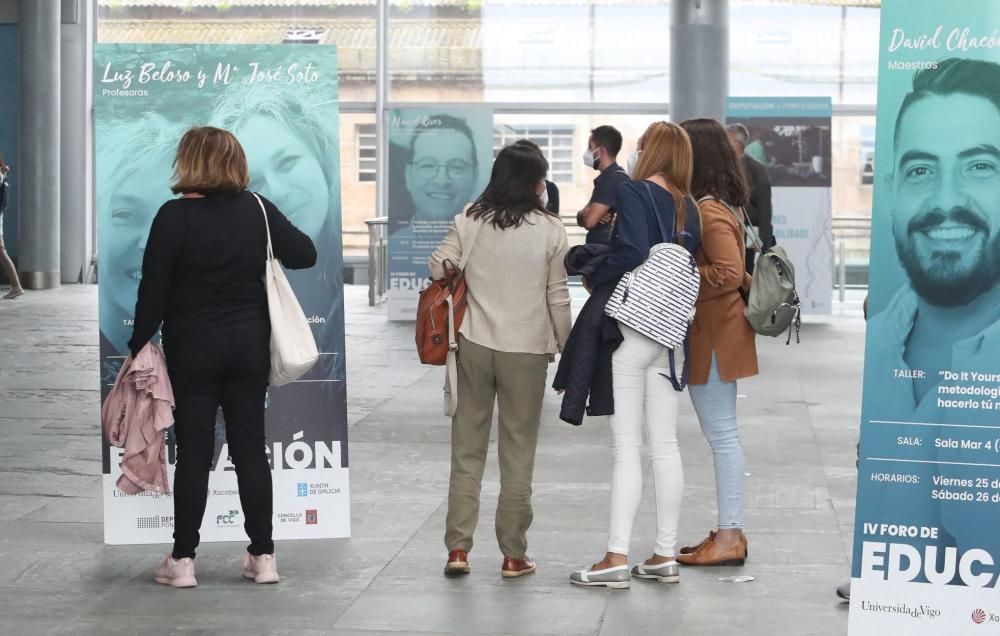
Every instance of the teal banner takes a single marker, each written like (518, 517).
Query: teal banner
(281, 102)
(927, 528)
(439, 161)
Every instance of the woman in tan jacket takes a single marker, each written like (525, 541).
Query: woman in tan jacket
(518, 317)
(722, 342)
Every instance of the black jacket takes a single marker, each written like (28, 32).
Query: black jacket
(552, 191)
(585, 366)
(759, 209)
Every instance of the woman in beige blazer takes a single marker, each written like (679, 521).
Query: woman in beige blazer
(518, 317)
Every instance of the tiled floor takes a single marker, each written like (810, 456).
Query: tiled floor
(798, 420)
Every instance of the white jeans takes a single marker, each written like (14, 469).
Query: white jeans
(639, 391)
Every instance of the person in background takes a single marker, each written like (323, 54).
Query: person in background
(551, 196)
(599, 215)
(640, 366)
(722, 342)
(759, 205)
(518, 318)
(8, 265)
(217, 345)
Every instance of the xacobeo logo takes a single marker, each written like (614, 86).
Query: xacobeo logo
(228, 519)
(978, 616)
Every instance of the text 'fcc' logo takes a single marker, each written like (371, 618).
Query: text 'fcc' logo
(227, 519)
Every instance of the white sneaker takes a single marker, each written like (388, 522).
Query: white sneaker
(176, 573)
(262, 569)
(617, 577)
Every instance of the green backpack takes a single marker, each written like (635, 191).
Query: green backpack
(772, 303)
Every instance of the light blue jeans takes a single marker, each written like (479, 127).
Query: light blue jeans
(715, 404)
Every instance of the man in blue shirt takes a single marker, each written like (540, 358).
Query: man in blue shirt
(602, 154)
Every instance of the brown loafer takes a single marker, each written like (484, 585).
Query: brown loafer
(711, 535)
(691, 549)
(458, 563)
(513, 568)
(712, 554)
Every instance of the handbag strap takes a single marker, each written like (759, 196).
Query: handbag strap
(267, 226)
(467, 253)
(452, 336)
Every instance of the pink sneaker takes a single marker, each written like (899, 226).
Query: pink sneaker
(176, 573)
(262, 569)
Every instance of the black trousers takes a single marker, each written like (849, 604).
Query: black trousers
(225, 368)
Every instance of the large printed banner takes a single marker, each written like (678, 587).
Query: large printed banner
(439, 161)
(281, 102)
(927, 531)
(790, 136)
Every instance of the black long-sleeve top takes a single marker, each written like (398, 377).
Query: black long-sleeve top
(759, 209)
(637, 229)
(204, 264)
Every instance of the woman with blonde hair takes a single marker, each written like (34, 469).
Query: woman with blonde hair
(202, 278)
(8, 265)
(640, 366)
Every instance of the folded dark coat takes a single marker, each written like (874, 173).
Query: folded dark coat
(585, 366)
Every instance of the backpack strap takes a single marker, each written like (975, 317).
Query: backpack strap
(686, 369)
(666, 236)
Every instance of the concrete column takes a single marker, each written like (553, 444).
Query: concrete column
(75, 127)
(38, 239)
(699, 59)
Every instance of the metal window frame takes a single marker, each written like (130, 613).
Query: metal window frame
(373, 161)
(550, 132)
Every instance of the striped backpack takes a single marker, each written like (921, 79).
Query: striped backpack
(657, 298)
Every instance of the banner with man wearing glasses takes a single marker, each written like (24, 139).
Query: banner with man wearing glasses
(439, 162)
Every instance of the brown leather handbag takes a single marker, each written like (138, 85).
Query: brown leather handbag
(440, 311)
(439, 316)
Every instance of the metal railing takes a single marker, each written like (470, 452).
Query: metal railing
(848, 229)
(845, 229)
(378, 260)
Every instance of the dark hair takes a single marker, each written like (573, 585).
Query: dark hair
(718, 172)
(527, 143)
(510, 196)
(607, 137)
(954, 75)
(444, 122)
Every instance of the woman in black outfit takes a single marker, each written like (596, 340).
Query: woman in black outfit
(202, 278)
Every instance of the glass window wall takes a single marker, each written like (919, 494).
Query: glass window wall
(552, 70)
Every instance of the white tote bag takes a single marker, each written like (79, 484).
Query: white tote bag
(293, 348)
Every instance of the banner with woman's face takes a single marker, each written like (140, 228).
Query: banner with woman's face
(282, 104)
(439, 162)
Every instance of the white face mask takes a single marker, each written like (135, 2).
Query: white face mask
(590, 158)
(544, 196)
(633, 161)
